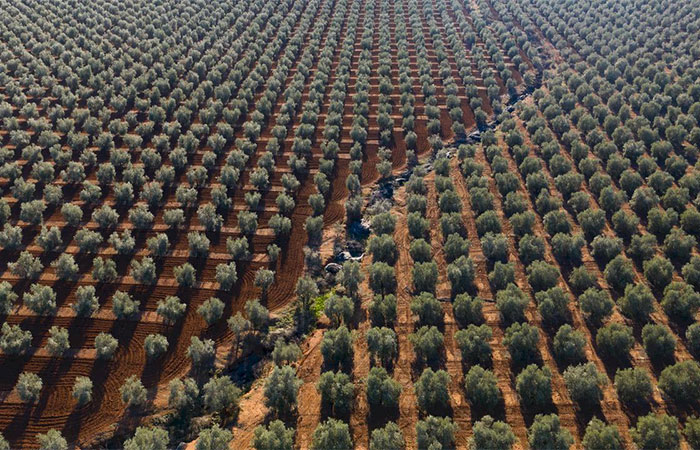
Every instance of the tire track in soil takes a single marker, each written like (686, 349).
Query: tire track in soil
(403, 369)
(500, 357)
(461, 411)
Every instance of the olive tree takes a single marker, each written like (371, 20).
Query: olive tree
(281, 389)
(435, 432)
(133, 393)
(584, 383)
(599, 436)
(105, 345)
(656, 431)
(29, 387)
(633, 385)
(211, 310)
(332, 434)
(432, 391)
(490, 433)
(388, 438)
(681, 381)
(481, 387)
(52, 440)
(546, 433)
(214, 438)
(82, 390)
(274, 436)
(337, 392)
(220, 394)
(155, 345)
(152, 438)
(534, 386)
(201, 352)
(336, 347)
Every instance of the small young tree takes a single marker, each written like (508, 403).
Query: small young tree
(82, 390)
(198, 244)
(185, 275)
(27, 266)
(29, 387)
(14, 340)
(264, 279)
(104, 271)
(7, 297)
(144, 271)
(258, 315)
(158, 245)
(238, 325)
(65, 267)
(226, 275)
(184, 395)
(86, 302)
